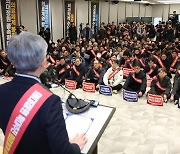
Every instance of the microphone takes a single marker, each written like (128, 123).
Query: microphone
(75, 105)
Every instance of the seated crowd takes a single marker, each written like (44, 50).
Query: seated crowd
(119, 57)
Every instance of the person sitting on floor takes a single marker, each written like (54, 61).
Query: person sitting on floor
(77, 72)
(175, 94)
(6, 68)
(114, 77)
(151, 69)
(62, 71)
(95, 74)
(136, 81)
(161, 84)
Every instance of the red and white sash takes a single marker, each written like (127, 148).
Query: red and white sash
(96, 73)
(94, 54)
(159, 61)
(62, 71)
(131, 65)
(174, 62)
(136, 79)
(52, 60)
(176, 49)
(113, 73)
(158, 84)
(151, 70)
(22, 115)
(142, 63)
(103, 52)
(75, 70)
(110, 62)
(4, 62)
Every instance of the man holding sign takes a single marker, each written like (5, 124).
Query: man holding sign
(95, 74)
(114, 77)
(136, 81)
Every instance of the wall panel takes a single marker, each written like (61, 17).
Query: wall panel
(28, 15)
(82, 13)
(148, 11)
(135, 10)
(175, 8)
(113, 14)
(165, 12)
(104, 11)
(129, 9)
(57, 11)
(157, 10)
(142, 10)
(121, 12)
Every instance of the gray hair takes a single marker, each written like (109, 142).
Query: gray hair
(26, 51)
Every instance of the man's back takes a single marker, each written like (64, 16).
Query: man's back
(46, 133)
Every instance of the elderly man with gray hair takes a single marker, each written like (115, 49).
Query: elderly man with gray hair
(31, 116)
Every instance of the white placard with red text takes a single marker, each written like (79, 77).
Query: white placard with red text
(70, 84)
(155, 99)
(88, 87)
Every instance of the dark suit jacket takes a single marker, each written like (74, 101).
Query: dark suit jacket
(46, 134)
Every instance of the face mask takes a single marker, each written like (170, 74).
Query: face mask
(179, 71)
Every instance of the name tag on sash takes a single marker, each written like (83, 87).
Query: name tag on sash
(126, 71)
(70, 84)
(130, 96)
(155, 99)
(105, 90)
(88, 87)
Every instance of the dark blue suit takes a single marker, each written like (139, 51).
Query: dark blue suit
(46, 134)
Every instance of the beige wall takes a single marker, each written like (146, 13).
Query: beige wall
(104, 11)
(28, 14)
(82, 13)
(57, 18)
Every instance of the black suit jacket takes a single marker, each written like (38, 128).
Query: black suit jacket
(46, 134)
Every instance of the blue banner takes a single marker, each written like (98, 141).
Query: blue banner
(44, 19)
(95, 16)
(105, 90)
(130, 96)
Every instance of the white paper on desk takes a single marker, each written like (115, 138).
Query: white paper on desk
(77, 124)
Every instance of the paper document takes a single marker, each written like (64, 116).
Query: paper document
(77, 124)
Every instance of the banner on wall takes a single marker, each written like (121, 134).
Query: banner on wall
(95, 15)
(10, 18)
(69, 14)
(44, 19)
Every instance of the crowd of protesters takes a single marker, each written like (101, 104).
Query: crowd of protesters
(148, 51)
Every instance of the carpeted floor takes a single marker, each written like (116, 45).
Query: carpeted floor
(135, 128)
